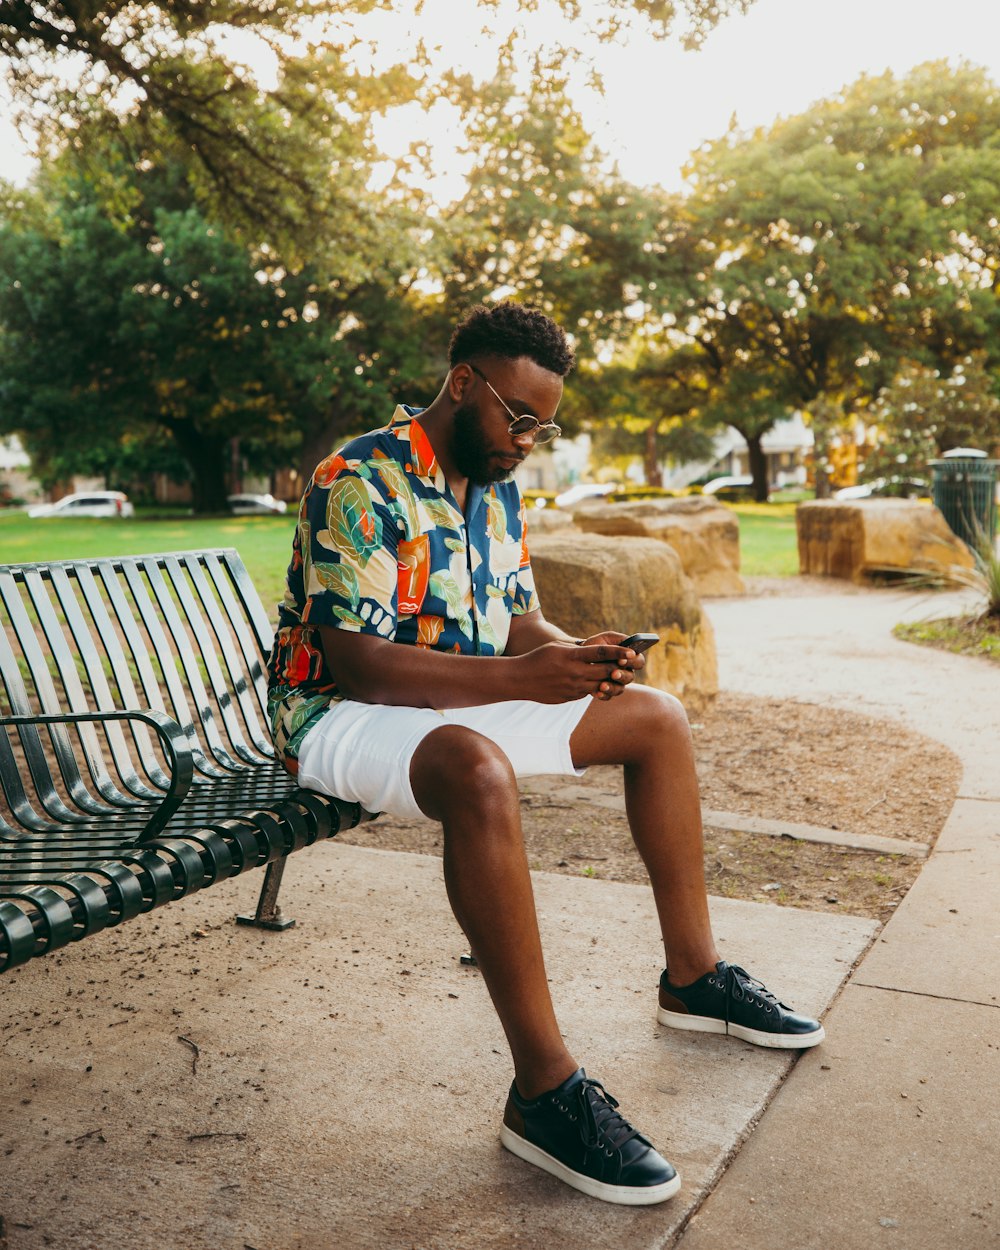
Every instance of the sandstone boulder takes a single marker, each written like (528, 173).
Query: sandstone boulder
(866, 538)
(704, 534)
(548, 521)
(588, 583)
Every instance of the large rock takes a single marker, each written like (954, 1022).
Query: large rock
(867, 538)
(704, 534)
(588, 583)
(548, 521)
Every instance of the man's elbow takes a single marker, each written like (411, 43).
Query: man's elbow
(355, 664)
(356, 689)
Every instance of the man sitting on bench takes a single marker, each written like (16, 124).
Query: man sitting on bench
(413, 672)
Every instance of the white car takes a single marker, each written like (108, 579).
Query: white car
(581, 491)
(97, 503)
(899, 487)
(728, 486)
(253, 505)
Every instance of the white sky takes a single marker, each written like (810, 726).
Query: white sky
(661, 102)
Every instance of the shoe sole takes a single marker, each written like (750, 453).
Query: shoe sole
(708, 1024)
(624, 1195)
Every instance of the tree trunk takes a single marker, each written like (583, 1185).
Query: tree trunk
(758, 467)
(650, 462)
(825, 414)
(208, 459)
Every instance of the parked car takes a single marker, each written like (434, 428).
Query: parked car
(889, 487)
(581, 491)
(99, 503)
(729, 487)
(253, 505)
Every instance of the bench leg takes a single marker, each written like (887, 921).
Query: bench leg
(268, 914)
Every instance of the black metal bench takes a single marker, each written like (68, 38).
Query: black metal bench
(135, 761)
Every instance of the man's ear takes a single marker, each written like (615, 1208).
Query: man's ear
(459, 381)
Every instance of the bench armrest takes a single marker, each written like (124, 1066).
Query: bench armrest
(175, 746)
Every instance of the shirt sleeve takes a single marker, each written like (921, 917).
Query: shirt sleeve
(349, 537)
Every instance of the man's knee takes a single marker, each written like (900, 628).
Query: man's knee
(639, 723)
(659, 717)
(455, 765)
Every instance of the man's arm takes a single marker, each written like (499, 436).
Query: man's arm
(374, 670)
(530, 630)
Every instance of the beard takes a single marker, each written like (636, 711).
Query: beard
(470, 450)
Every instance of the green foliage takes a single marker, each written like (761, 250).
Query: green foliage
(158, 80)
(926, 412)
(287, 164)
(962, 635)
(987, 558)
(155, 290)
(172, 330)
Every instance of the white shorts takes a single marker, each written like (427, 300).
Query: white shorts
(362, 752)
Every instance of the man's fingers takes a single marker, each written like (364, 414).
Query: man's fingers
(595, 653)
(603, 653)
(622, 676)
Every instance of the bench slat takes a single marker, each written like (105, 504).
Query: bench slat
(248, 679)
(140, 756)
(39, 772)
(73, 697)
(207, 628)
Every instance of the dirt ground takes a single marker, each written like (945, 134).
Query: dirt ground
(783, 761)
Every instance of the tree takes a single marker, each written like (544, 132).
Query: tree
(171, 328)
(815, 257)
(155, 80)
(649, 402)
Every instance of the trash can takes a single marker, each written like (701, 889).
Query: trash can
(963, 486)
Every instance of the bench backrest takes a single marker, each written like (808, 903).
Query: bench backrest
(183, 634)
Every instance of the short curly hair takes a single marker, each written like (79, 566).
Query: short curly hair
(511, 330)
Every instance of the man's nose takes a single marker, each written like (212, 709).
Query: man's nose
(527, 438)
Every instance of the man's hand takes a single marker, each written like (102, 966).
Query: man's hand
(559, 672)
(632, 661)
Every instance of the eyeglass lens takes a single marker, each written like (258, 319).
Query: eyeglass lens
(529, 425)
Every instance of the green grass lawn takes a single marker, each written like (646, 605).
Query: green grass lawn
(264, 542)
(768, 546)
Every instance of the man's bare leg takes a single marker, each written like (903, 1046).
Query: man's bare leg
(464, 781)
(647, 731)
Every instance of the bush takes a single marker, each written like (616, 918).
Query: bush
(984, 553)
(629, 493)
(539, 498)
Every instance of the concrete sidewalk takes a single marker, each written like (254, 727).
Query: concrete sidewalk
(181, 1084)
(886, 1135)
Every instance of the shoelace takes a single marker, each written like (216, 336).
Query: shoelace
(602, 1125)
(740, 984)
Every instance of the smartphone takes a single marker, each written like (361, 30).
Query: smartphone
(640, 642)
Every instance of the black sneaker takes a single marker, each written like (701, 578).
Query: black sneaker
(576, 1133)
(729, 1000)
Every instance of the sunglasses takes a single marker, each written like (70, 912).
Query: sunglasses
(540, 431)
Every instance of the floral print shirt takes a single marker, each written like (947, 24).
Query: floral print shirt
(382, 547)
